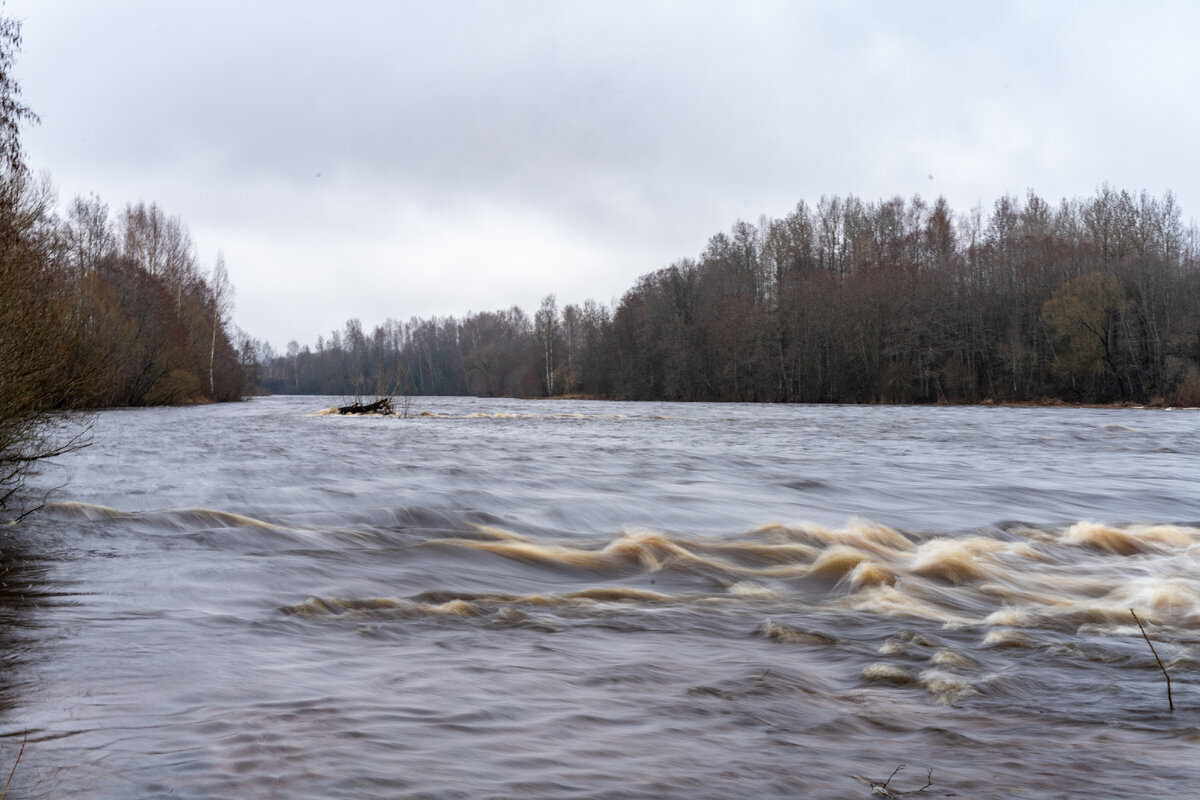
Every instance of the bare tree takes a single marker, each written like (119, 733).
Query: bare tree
(221, 299)
(88, 234)
(36, 346)
(546, 324)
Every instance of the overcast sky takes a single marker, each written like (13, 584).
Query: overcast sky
(398, 159)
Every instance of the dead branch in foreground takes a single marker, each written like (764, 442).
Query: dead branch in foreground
(20, 753)
(882, 790)
(1170, 701)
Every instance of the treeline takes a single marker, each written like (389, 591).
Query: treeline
(139, 321)
(900, 301)
(98, 309)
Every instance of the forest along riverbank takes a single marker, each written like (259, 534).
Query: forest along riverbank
(1029, 304)
(609, 600)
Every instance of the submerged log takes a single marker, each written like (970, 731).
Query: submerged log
(383, 406)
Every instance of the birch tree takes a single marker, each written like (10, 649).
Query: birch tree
(546, 326)
(221, 299)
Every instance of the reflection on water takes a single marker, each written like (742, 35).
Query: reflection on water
(550, 599)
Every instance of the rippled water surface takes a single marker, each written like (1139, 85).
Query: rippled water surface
(537, 599)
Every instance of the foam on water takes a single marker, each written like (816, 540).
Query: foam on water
(977, 580)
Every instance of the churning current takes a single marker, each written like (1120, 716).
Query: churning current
(553, 599)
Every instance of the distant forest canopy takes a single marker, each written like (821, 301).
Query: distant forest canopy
(897, 301)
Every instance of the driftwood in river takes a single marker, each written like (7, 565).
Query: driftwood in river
(383, 406)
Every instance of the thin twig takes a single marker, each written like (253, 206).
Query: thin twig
(1170, 702)
(928, 781)
(885, 783)
(20, 753)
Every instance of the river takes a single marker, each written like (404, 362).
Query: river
(571, 599)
